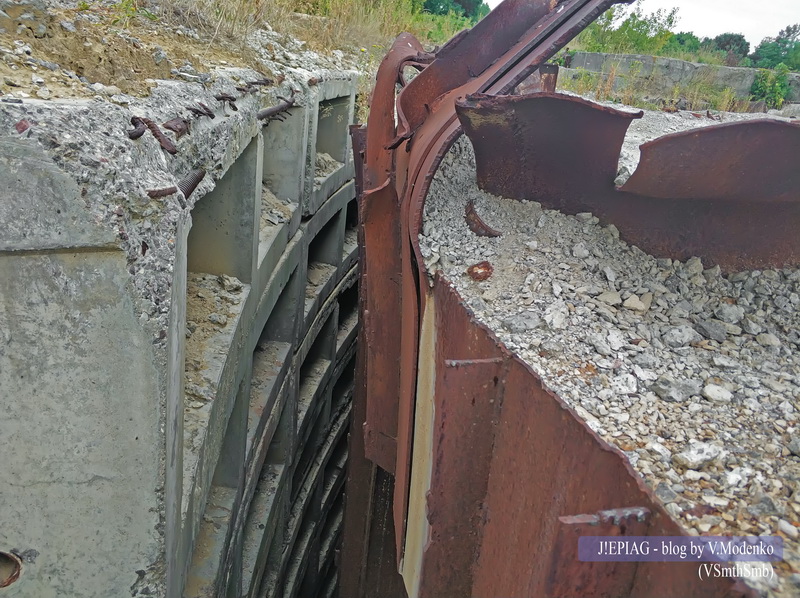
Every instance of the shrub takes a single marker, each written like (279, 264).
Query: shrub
(771, 86)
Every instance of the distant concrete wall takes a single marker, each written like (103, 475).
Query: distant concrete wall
(197, 449)
(660, 75)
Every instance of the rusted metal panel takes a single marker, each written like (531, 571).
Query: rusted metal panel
(544, 79)
(468, 391)
(510, 463)
(544, 145)
(594, 579)
(544, 464)
(728, 193)
(757, 160)
(468, 55)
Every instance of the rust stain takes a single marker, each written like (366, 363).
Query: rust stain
(480, 271)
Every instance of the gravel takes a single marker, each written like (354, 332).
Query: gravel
(695, 375)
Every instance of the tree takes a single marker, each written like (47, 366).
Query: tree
(614, 31)
(443, 7)
(734, 43)
(473, 9)
(784, 48)
(683, 42)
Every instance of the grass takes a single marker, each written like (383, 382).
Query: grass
(362, 28)
(634, 90)
(324, 24)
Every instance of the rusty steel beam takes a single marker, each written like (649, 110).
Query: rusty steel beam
(728, 193)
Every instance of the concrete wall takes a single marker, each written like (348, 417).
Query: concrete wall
(660, 75)
(82, 450)
(176, 381)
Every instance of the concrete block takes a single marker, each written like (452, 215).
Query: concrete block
(40, 205)
(225, 223)
(280, 305)
(273, 571)
(82, 447)
(176, 376)
(273, 239)
(346, 294)
(350, 245)
(217, 358)
(306, 506)
(206, 570)
(343, 376)
(329, 161)
(284, 438)
(271, 385)
(286, 146)
(229, 471)
(265, 520)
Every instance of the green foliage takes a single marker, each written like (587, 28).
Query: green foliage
(444, 7)
(772, 86)
(126, 11)
(616, 31)
(683, 42)
(734, 43)
(473, 9)
(784, 48)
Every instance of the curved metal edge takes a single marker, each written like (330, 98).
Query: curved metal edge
(754, 160)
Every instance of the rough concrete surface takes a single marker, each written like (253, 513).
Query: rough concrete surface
(88, 262)
(80, 428)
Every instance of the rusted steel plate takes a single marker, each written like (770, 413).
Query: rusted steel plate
(568, 574)
(699, 193)
(757, 160)
(380, 254)
(510, 461)
(548, 145)
(416, 161)
(470, 375)
(468, 55)
(544, 79)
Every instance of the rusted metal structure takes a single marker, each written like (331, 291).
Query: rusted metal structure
(471, 478)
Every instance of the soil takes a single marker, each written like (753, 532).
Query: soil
(84, 47)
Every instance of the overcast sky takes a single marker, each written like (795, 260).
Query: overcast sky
(707, 18)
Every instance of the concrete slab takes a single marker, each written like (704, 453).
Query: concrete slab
(225, 222)
(83, 458)
(262, 525)
(215, 366)
(206, 569)
(40, 205)
(280, 305)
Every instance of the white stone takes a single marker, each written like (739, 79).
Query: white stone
(788, 529)
(717, 394)
(697, 455)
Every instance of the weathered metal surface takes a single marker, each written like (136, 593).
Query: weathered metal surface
(756, 160)
(379, 207)
(508, 458)
(593, 579)
(468, 55)
(567, 150)
(727, 193)
(476, 224)
(503, 530)
(544, 79)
